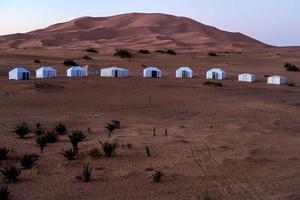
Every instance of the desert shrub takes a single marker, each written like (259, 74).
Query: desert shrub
(154, 132)
(41, 142)
(110, 128)
(144, 51)
(160, 51)
(11, 173)
(143, 66)
(4, 193)
(206, 196)
(61, 129)
(91, 50)
(51, 137)
(36, 61)
(94, 152)
(116, 123)
(76, 137)
(212, 54)
(87, 172)
(171, 52)
(166, 132)
(148, 151)
(129, 146)
(39, 129)
(22, 130)
(87, 58)
(212, 83)
(291, 67)
(28, 160)
(3, 153)
(109, 148)
(123, 53)
(70, 62)
(291, 84)
(157, 176)
(70, 153)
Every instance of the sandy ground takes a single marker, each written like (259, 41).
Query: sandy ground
(240, 141)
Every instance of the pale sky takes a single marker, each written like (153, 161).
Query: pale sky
(275, 22)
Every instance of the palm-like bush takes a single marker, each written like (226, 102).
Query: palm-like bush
(61, 129)
(157, 176)
(76, 138)
(87, 172)
(51, 137)
(171, 52)
(109, 148)
(123, 53)
(28, 160)
(70, 154)
(110, 128)
(22, 130)
(11, 173)
(3, 153)
(4, 193)
(41, 142)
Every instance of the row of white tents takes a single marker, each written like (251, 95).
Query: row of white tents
(20, 73)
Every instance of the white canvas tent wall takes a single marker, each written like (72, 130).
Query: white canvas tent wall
(246, 77)
(77, 71)
(184, 72)
(277, 80)
(152, 72)
(19, 73)
(46, 72)
(114, 72)
(216, 73)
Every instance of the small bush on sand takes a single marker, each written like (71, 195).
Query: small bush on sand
(51, 137)
(212, 83)
(148, 151)
(76, 137)
(123, 53)
(109, 149)
(41, 142)
(144, 51)
(160, 51)
(212, 54)
(291, 84)
(28, 160)
(60, 128)
(91, 50)
(206, 196)
(87, 58)
(290, 67)
(87, 172)
(36, 61)
(22, 130)
(157, 176)
(110, 128)
(11, 173)
(70, 154)
(3, 153)
(171, 52)
(70, 62)
(4, 193)
(39, 129)
(94, 152)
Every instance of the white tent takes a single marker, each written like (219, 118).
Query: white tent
(46, 72)
(77, 71)
(114, 72)
(277, 80)
(216, 73)
(19, 73)
(184, 72)
(246, 77)
(152, 72)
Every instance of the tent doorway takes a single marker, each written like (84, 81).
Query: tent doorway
(184, 74)
(154, 74)
(25, 76)
(244, 77)
(215, 75)
(116, 72)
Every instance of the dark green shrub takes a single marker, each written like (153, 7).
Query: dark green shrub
(148, 151)
(70, 154)
(22, 130)
(160, 51)
(91, 50)
(39, 129)
(76, 137)
(51, 137)
(11, 173)
(109, 148)
(291, 84)
(70, 62)
(61, 129)
(212, 83)
(41, 142)
(110, 128)
(290, 67)
(116, 123)
(87, 172)
(212, 54)
(28, 160)
(87, 58)
(3, 153)
(36, 61)
(157, 176)
(94, 152)
(4, 193)
(171, 52)
(144, 51)
(123, 53)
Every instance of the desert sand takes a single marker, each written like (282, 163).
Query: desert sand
(239, 141)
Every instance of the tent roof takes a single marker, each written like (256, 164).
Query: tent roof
(247, 74)
(48, 68)
(185, 68)
(152, 68)
(277, 76)
(77, 68)
(216, 69)
(114, 68)
(19, 69)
